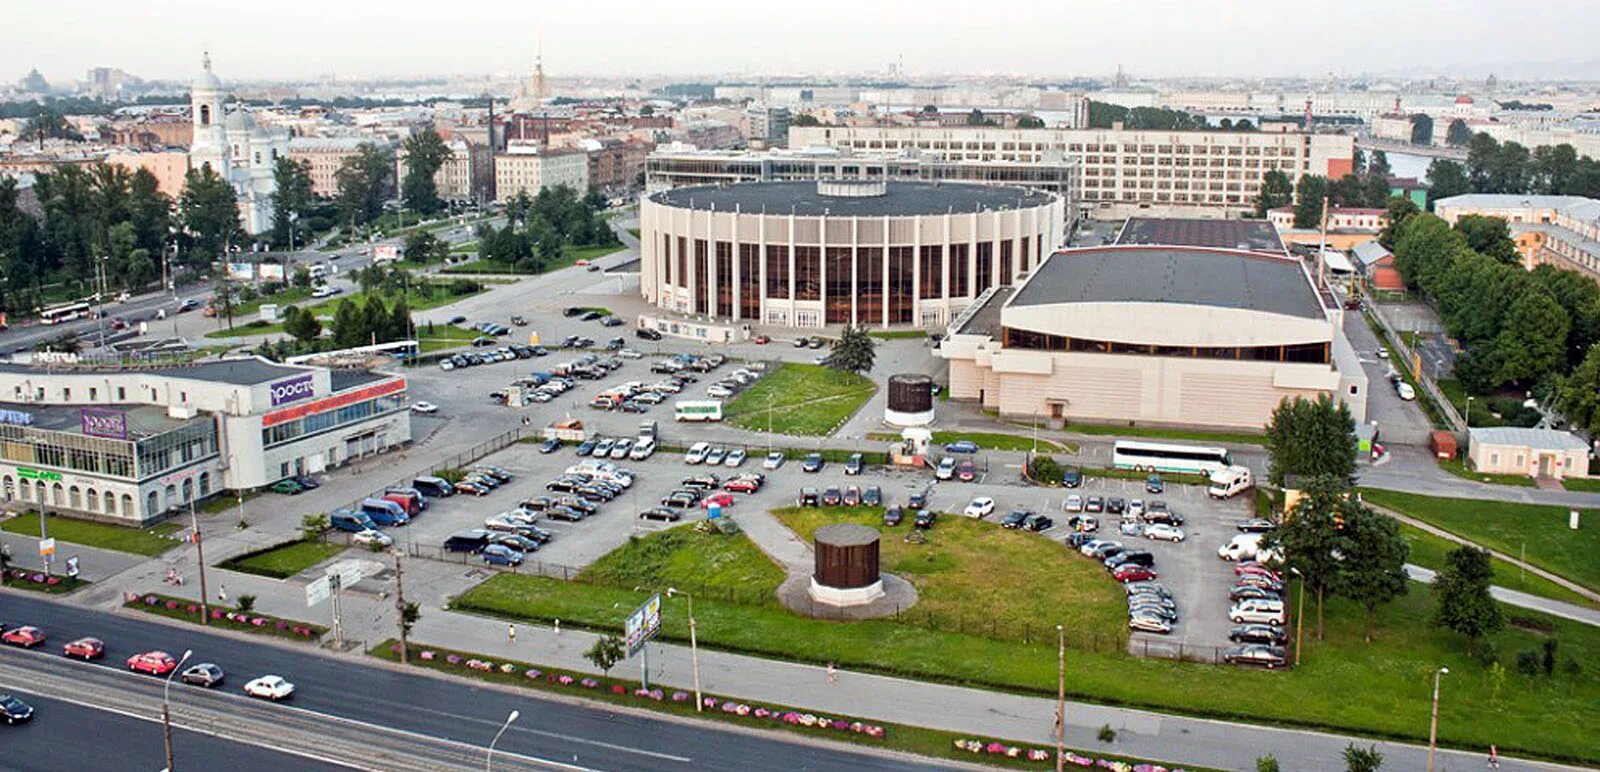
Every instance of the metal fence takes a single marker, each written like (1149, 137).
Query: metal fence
(456, 461)
(1392, 336)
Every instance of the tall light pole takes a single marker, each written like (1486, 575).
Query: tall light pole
(1299, 615)
(694, 648)
(1469, 411)
(1433, 726)
(166, 713)
(1061, 698)
(488, 761)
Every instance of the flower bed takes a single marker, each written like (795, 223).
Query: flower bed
(680, 702)
(38, 581)
(223, 616)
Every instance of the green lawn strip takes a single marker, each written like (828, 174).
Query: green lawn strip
(245, 330)
(1153, 432)
(805, 399)
(282, 561)
(899, 737)
(687, 557)
(569, 258)
(1457, 394)
(289, 296)
(464, 248)
(634, 231)
(1458, 467)
(436, 337)
(149, 541)
(420, 298)
(998, 441)
(897, 334)
(1509, 527)
(485, 266)
(223, 503)
(1429, 551)
(1380, 688)
(179, 609)
(1582, 484)
(21, 579)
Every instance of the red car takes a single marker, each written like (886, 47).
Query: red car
(1257, 569)
(966, 471)
(741, 485)
(86, 648)
(1127, 574)
(157, 663)
(26, 636)
(762, 340)
(720, 499)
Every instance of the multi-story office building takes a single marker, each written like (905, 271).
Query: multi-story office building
(531, 168)
(1123, 172)
(133, 444)
(323, 156)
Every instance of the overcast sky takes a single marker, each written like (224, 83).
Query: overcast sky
(310, 38)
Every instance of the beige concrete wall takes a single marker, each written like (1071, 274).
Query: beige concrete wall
(1518, 459)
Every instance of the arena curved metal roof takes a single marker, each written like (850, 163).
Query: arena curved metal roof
(901, 199)
(1223, 278)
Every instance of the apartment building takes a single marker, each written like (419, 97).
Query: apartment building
(1563, 231)
(530, 168)
(323, 156)
(464, 176)
(1122, 171)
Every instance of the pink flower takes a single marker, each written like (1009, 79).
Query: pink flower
(533, 673)
(619, 689)
(172, 605)
(193, 609)
(216, 613)
(428, 655)
(680, 696)
(565, 680)
(589, 683)
(711, 702)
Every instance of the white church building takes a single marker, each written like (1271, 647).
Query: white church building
(236, 148)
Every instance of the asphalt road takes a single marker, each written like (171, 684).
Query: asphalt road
(349, 696)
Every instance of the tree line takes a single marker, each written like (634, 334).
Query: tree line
(1508, 167)
(1367, 188)
(539, 229)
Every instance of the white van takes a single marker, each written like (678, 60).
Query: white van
(1245, 546)
(1258, 611)
(697, 453)
(642, 449)
(1230, 482)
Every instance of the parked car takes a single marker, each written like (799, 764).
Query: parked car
(979, 507)
(773, 461)
(1163, 532)
(1014, 518)
(946, 468)
(1094, 504)
(1149, 623)
(966, 471)
(1038, 522)
(735, 458)
(832, 497)
(287, 486)
(1083, 523)
(269, 687)
(1264, 634)
(1116, 506)
(156, 663)
(808, 497)
(204, 674)
(925, 519)
(1133, 574)
(1153, 484)
(891, 517)
(872, 496)
(813, 463)
(1257, 611)
(852, 496)
(720, 499)
(501, 555)
(1255, 525)
(424, 408)
(1255, 654)
(1072, 477)
(1251, 592)
(1073, 503)
(853, 465)
(661, 513)
(371, 539)
(550, 445)
(961, 446)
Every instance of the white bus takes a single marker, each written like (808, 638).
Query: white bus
(1160, 457)
(65, 312)
(697, 410)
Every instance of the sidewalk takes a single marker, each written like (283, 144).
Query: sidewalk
(1529, 567)
(1508, 596)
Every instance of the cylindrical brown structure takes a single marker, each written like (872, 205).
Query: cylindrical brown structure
(847, 556)
(910, 400)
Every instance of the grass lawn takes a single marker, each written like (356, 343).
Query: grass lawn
(1587, 485)
(1509, 527)
(569, 258)
(148, 541)
(1457, 394)
(998, 441)
(1429, 551)
(288, 296)
(443, 336)
(483, 266)
(805, 399)
(1151, 432)
(687, 558)
(421, 297)
(290, 628)
(897, 334)
(284, 560)
(244, 330)
(465, 247)
(1458, 467)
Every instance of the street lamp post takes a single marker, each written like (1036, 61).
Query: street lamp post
(1299, 615)
(1469, 412)
(694, 648)
(1433, 726)
(1061, 698)
(488, 761)
(166, 713)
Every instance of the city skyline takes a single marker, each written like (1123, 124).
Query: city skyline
(1149, 39)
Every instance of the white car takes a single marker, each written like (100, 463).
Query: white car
(369, 538)
(946, 469)
(666, 387)
(980, 507)
(424, 407)
(1074, 503)
(716, 455)
(1163, 531)
(774, 460)
(505, 521)
(620, 450)
(718, 391)
(324, 291)
(1405, 391)
(629, 353)
(447, 365)
(269, 687)
(697, 453)
(1135, 509)
(735, 457)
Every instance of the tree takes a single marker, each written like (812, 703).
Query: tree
(209, 213)
(425, 153)
(313, 526)
(410, 614)
(804, 119)
(363, 182)
(1489, 236)
(291, 199)
(302, 325)
(1309, 538)
(606, 652)
(1398, 210)
(1277, 190)
(1267, 763)
(1532, 341)
(1379, 165)
(1481, 152)
(421, 246)
(1458, 135)
(1579, 395)
(646, 111)
(1368, 759)
(150, 212)
(1030, 122)
(1421, 129)
(1447, 178)
(48, 123)
(1308, 195)
(854, 352)
(1462, 602)
(1374, 570)
(1311, 438)
(224, 296)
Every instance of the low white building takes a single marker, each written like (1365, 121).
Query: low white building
(530, 169)
(1532, 452)
(130, 445)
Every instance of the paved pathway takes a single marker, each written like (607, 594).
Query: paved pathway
(1529, 567)
(1570, 611)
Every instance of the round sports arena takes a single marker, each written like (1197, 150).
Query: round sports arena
(825, 252)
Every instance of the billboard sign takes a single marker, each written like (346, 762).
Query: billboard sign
(16, 417)
(100, 422)
(384, 253)
(241, 271)
(292, 389)
(319, 590)
(270, 271)
(334, 402)
(643, 624)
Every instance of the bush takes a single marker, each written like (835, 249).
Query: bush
(1267, 763)
(1487, 653)
(1106, 734)
(1549, 661)
(1045, 470)
(1528, 663)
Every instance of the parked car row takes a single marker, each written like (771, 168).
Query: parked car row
(705, 491)
(639, 397)
(501, 354)
(1124, 563)
(847, 496)
(1151, 608)
(617, 448)
(715, 455)
(949, 468)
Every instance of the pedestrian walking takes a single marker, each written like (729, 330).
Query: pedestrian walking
(833, 675)
(558, 627)
(222, 593)
(511, 633)
(1494, 757)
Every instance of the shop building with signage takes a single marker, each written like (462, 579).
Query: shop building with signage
(132, 444)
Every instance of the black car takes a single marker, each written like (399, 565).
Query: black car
(853, 465)
(831, 497)
(571, 311)
(1130, 558)
(661, 513)
(872, 496)
(458, 320)
(586, 447)
(1255, 525)
(813, 463)
(307, 481)
(1014, 518)
(551, 445)
(611, 321)
(563, 513)
(1116, 506)
(204, 674)
(1152, 484)
(576, 503)
(816, 342)
(647, 334)
(1267, 634)
(615, 344)
(589, 316)
(14, 709)
(516, 541)
(919, 500)
(1158, 513)
(1071, 477)
(703, 482)
(1038, 523)
(1078, 539)
(680, 499)
(808, 497)
(925, 519)
(1255, 654)
(1252, 592)
(891, 517)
